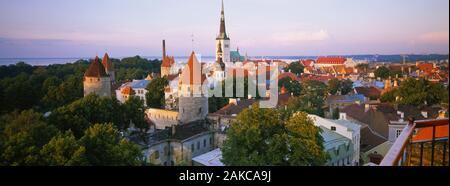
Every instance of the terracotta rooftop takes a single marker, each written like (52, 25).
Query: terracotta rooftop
(168, 61)
(187, 77)
(307, 62)
(107, 63)
(95, 69)
(128, 91)
(331, 60)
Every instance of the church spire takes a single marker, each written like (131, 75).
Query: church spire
(223, 32)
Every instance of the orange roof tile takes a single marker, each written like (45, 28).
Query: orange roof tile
(128, 91)
(331, 60)
(95, 69)
(189, 70)
(107, 63)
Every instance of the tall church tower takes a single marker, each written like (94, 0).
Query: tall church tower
(222, 40)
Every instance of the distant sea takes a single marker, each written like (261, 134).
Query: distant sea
(183, 59)
(179, 59)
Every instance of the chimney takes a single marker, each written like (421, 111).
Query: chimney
(164, 48)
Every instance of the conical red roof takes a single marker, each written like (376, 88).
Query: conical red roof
(107, 63)
(95, 69)
(187, 76)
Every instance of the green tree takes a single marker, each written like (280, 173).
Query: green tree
(155, 96)
(334, 86)
(134, 110)
(105, 147)
(81, 114)
(306, 141)
(311, 99)
(420, 92)
(21, 137)
(259, 137)
(382, 72)
(295, 67)
(292, 86)
(63, 150)
(64, 93)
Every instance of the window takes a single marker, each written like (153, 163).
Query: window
(398, 132)
(198, 145)
(192, 148)
(204, 143)
(210, 141)
(333, 128)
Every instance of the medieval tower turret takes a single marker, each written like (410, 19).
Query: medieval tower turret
(222, 40)
(96, 80)
(109, 68)
(193, 103)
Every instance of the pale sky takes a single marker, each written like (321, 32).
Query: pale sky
(82, 28)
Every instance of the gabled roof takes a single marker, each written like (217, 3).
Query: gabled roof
(95, 69)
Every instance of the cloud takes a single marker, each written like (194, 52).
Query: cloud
(434, 37)
(290, 37)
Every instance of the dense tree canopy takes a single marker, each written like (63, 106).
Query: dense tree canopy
(67, 135)
(418, 92)
(292, 86)
(311, 99)
(21, 137)
(295, 67)
(26, 139)
(383, 72)
(259, 137)
(155, 96)
(340, 86)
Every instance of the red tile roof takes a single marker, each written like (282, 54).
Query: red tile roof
(426, 67)
(168, 61)
(290, 75)
(95, 69)
(107, 63)
(128, 91)
(189, 70)
(331, 60)
(307, 62)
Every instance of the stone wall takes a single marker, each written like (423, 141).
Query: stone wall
(162, 118)
(100, 86)
(193, 108)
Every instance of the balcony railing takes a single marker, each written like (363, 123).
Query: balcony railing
(428, 151)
